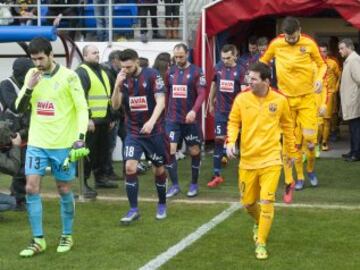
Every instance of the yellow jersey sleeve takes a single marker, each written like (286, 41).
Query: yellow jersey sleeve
(288, 125)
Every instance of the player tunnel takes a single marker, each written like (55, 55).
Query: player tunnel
(232, 21)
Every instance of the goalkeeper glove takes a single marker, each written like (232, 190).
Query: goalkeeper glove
(78, 151)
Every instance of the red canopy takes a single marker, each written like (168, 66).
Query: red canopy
(228, 13)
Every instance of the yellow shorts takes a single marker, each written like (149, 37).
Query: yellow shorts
(305, 113)
(330, 105)
(259, 184)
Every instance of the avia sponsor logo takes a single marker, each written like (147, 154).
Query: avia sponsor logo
(179, 91)
(45, 108)
(227, 86)
(138, 104)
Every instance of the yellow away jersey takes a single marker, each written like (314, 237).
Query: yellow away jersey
(261, 121)
(332, 75)
(293, 63)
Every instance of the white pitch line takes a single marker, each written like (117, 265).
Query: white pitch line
(190, 239)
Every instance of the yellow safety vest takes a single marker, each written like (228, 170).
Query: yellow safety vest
(99, 94)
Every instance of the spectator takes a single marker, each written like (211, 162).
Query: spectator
(27, 13)
(10, 160)
(350, 96)
(151, 6)
(102, 19)
(112, 67)
(172, 20)
(6, 17)
(97, 87)
(62, 11)
(9, 89)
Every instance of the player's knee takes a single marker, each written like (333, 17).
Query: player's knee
(265, 202)
(159, 170)
(32, 188)
(194, 150)
(62, 188)
(130, 167)
(248, 206)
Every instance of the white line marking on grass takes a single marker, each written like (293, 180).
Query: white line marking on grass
(190, 239)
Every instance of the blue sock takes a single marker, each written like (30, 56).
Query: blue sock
(67, 212)
(132, 188)
(218, 153)
(34, 209)
(172, 170)
(160, 182)
(195, 168)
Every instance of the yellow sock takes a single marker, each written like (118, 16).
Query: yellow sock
(288, 173)
(299, 166)
(254, 212)
(326, 131)
(265, 222)
(310, 160)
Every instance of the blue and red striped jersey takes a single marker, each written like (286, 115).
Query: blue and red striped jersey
(228, 84)
(185, 91)
(139, 101)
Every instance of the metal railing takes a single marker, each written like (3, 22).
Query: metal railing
(119, 17)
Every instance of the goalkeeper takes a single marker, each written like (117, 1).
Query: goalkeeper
(59, 118)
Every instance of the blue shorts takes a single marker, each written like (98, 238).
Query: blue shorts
(220, 128)
(191, 133)
(37, 159)
(155, 148)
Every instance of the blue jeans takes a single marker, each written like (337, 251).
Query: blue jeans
(7, 202)
(102, 35)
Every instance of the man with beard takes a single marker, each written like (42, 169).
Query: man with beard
(58, 124)
(141, 91)
(295, 55)
(97, 87)
(226, 84)
(19, 123)
(186, 85)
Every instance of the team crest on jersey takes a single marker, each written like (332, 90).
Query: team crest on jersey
(302, 49)
(179, 91)
(272, 107)
(202, 80)
(138, 104)
(144, 84)
(45, 108)
(227, 86)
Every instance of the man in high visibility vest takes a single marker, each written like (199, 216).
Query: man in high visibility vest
(97, 87)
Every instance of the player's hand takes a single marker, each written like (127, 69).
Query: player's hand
(190, 117)
(35, 77)
(120, 79)
(318, 87)
(78, 151)
(16, 140)
(231, 151)
(322, 110)
(147, 128)
(91, 126)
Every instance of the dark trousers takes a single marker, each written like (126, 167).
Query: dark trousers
(98, 143)
(18, 182)
(354, 126)
(143, 11)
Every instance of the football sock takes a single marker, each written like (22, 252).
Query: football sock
(195, 168)
(132, 187)
(254, 212)
(172, 170)
(218, 153)
(67, 212)
(160, 182)
(34, 209)
(265, 221)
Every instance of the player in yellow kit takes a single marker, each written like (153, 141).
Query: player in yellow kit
(295, 53)
(261, 113)
(332, 84)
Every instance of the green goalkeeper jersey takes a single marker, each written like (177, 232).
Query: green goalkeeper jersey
(59, 112)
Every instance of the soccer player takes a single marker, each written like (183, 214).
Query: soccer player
(332, 82)
(295, 54)
(185, 84)
(59, 117)
(261, 113)
(251, 57)
(141, 91)
(226, 84)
